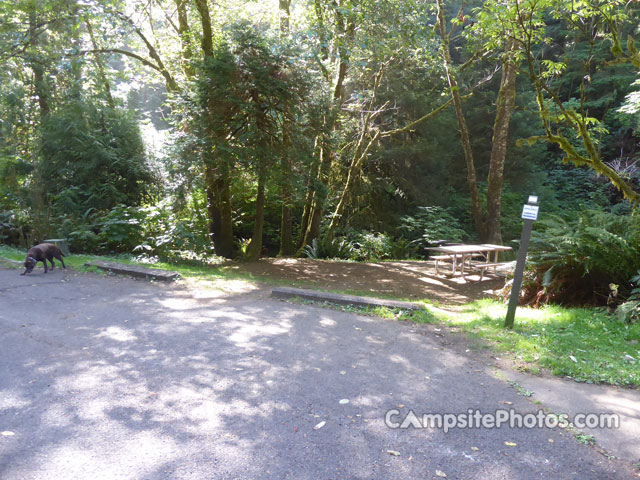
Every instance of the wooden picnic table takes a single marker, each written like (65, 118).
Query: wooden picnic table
(466, 252)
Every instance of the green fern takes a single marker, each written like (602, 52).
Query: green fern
(574, 261)
(629, 311)
(324, 248)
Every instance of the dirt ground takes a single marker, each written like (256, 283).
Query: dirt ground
(403, 279)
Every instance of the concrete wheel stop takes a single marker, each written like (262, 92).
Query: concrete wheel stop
(135, 271)
(341, 299)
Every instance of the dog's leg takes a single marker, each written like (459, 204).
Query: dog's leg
(45, 265)
(61, 261)
(53, 265)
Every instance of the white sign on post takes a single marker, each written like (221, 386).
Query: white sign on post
(530, 212)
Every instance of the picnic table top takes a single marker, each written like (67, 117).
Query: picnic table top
(464, 249)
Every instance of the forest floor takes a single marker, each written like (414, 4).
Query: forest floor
(407, 279)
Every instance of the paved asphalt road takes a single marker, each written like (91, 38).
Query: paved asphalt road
(111, 378)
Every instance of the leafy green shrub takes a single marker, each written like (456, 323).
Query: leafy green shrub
(156, 230)
(575, 261)
(372, 246)
(93, 157)
(324, 248)
(121, 229)
(83, 239)
(13, 226)
(431, 224)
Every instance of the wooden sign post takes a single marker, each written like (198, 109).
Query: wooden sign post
(529, 214)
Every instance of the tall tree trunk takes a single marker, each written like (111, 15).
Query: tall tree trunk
(359, 155)
(355, 168)
(217, 174)
(314, 172)
(462, 124)
(287, 247)
(255, 245)
(344, 32)
(76, 60)
(286, 225)
(318, 197)
(183, 31)
(207, 31)
(284, 9)
(219, 210)
(504, 108)
(40, 83)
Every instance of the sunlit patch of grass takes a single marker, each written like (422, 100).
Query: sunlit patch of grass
(12, 253)
(587, 345)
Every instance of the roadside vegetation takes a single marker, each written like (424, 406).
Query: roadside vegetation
(586, 345)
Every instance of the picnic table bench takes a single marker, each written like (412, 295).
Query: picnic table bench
(461, 257)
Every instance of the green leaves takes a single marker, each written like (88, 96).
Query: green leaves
(552, 68)
(575, 261)
(431, 224)
(97, 154)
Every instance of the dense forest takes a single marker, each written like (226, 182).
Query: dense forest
(360, 129)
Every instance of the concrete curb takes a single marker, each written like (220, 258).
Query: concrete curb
(135, 271)
(12, 262)
(284, 293)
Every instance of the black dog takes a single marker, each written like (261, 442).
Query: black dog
(42, 253)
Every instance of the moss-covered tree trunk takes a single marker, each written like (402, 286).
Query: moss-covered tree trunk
(317, 199)
(364, 145)
(504, 108)
(185, 41)
(314, 171)
(287, 247)
(476, 208)
(344, 33)
(40, 84)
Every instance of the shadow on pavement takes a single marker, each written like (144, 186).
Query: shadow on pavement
(106, 377)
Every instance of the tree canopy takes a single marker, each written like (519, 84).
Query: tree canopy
(259, 127)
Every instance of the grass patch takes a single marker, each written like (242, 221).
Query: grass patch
(520, 389)
(587, 345)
